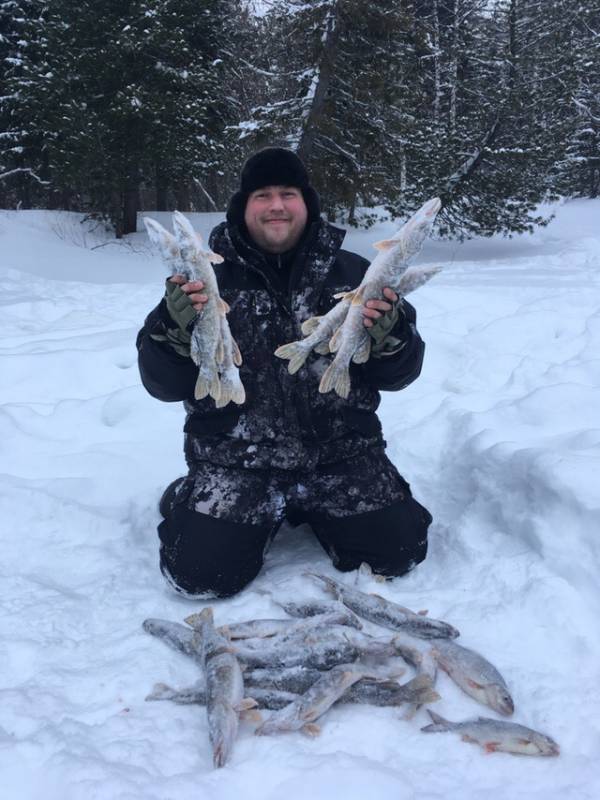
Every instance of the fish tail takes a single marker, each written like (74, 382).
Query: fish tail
(336, 377)
(421, 690)
(296, 352)
(309, 325)
(439, 723)
(207, 383)
(329, 583)
(322, 348)
(231, 389)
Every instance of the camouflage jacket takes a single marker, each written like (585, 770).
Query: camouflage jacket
(285, 422)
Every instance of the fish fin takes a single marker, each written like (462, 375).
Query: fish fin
(309, 325)
(334, 342)
(439, 720)
(195, 620)
(337, 378)
(201, 388)
(159, 690)
(385, 244)
(295, 352)
(322, 348)
(344, 295)
(423, 612)
(491, 747)
(358, 295)
(223, 306)
(246, 704)
(237, 356)
(311, 729)
(239, 394)
(363, 351)
(473, 684)
(215, 386)
(223, 399)
(215, 258)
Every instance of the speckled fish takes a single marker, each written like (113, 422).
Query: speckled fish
(177, 636)
(321, 332)
(475, 675)
(272, 699)
(212, 347)
(417, 691)
(351, 341)
(224, 686)
(266, 628)
(231, 387)
(311, 651)
(497, 735)
(302, 713)
(312, 608)
(384, 612)
(422, 660)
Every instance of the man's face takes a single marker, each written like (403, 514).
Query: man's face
(275, 217)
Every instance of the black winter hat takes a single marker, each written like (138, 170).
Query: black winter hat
(273, 166)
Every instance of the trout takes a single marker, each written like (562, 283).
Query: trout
(497, 735)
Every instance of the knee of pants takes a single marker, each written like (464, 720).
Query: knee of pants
(391, 540)
(205, 556)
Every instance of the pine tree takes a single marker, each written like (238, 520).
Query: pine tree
(24, 70)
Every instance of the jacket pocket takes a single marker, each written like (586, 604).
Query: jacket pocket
(364, 422)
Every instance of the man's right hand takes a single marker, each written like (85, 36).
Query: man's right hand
(193, 290)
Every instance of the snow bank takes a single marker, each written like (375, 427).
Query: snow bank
(499, 438)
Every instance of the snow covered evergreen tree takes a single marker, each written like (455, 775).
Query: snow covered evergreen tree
(24, 76)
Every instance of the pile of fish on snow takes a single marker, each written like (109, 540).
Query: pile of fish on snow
(296, 669)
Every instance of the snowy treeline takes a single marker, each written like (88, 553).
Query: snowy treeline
(113, 107)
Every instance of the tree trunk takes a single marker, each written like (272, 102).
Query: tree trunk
(182, 196)
(131, 204)
(317, 93)
(162, 190)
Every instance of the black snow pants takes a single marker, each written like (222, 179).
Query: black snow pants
(219, 521)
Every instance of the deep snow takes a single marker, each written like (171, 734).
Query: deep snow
(498, 437)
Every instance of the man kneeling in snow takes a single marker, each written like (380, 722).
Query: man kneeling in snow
(288, 452)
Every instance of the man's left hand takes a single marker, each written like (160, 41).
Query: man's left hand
(374, 309)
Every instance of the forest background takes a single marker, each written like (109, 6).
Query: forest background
(111, 107)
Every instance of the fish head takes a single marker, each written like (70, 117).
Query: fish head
(498, 697)
(544, 745)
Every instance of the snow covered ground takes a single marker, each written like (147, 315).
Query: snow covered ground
(499, 438)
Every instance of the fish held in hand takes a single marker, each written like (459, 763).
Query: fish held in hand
(351, 342)
(212, 348)
(496, 735)
(342, 330)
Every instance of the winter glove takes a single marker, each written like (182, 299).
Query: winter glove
(384, 343)
(183, 314)
(180, 307)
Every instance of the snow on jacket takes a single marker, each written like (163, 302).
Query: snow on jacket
(285, 422)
